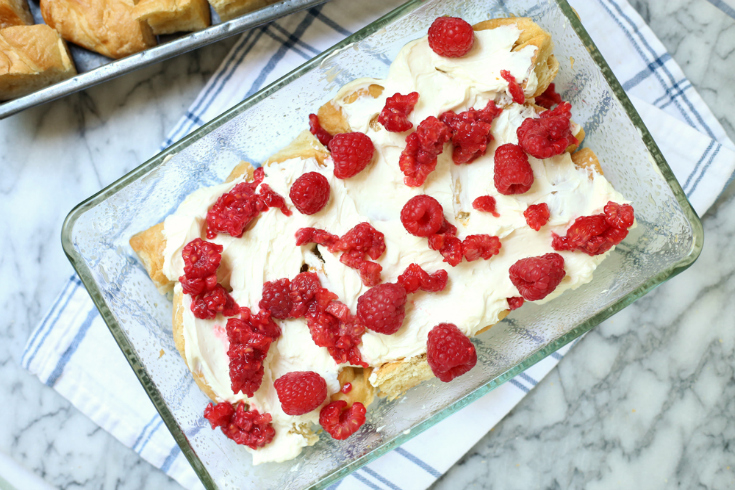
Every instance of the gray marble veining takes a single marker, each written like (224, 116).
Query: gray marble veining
(646, 400)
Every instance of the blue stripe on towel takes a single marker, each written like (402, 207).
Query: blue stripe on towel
(724, 7)
(145, 428)
(380, 478)
(59, 369)
(49, 322)
(699, 162)
(418, 462)
(704, 170)
(170, 459)
(646, 72)
(518, 385)
(365, 481)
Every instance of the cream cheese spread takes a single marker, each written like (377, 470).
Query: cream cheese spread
(476, 292)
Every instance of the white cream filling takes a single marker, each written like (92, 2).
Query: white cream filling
(477, 291)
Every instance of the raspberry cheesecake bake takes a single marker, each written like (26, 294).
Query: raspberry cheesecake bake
(416, 212)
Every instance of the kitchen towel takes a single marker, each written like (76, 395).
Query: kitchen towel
(73, 352)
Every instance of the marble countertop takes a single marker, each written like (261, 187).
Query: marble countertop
(646, 400)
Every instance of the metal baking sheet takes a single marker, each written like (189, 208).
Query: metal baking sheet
(94, 68)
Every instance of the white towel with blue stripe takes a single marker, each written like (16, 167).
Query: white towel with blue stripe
(73, 352)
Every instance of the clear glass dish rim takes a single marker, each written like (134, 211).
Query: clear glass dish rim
(152, 391)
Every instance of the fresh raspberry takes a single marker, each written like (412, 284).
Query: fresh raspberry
(619, 216)
(341, 422)
(198, 286)
(537, 215)
(422, 215)
(470, 131)
(250, 339)
(310, 193)
(515, 302)
(382, 308)
(394, 116)
(514, 88)
(513, 173)
(451, 37)
(315, 235)
(548, 135)
(201, 258)
(480, 247)
(549, 98)
(206, 306)
(362, 238)
(346, 388)
(245, 427)
(277, 298)
(595, 235)
(487, 204)
(449, 246)
(318, 131)
(273, 200)
(351, 152)
(447, 228)
(415, 278)
(536, 277)
(300, 392)
(449, 352)
(423, 146)
(303, 289)
(234, 210)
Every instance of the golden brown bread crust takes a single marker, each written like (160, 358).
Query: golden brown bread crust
(229, 9)
(105, 26)
(149, 245)
(586, 158)
(31, 57)
(14, 13)
(545, 64)
(169, 16)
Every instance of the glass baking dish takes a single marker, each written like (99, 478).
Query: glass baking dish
(667, 240)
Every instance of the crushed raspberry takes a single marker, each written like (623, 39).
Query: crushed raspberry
(422, 216)
(619, 216)
(451, 37)
(449, 246)
(205, 306)
(300, 392)
(549, 98)
(234, 210)
(315, 235)
(250, 338)
(198, 286)
(360, 241)
(274, 200)
(318, 131)
(487, 204)
(310, 193)
(415, 278)
(303, 289)
(513, 173)
(515, 302)
(341, 422)
(382, 308)
(470, 131)
(423, 147)
(362, 238)
(277, 298)
(480, 247)
(514, 88)
(536, 277)
(537, 215)
(394, 116)
(201, 258)
(449, 352)
(595, 235)
(346, 388)
(548, 135)
(351, 152)
(246, 427)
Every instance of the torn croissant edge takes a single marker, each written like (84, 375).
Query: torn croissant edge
(394, 378)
